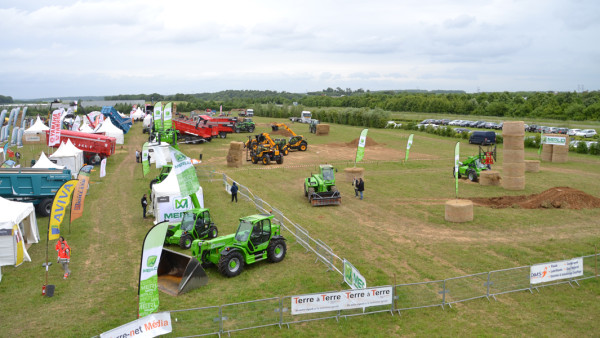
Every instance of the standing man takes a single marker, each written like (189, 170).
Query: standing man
(61, 240)
(144, 204)
(234, 190)
(64, 256)
(354, 185)
(137, 156)
(361, 187)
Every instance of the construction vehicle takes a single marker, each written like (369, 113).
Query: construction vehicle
(164, 172)
(312, 127)
(474, 165)
(244, 124)
(196, 224)
(320, 188)
(263, 149)
(295, 142)
(256, 239)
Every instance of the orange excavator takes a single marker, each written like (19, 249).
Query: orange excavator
(296, 142)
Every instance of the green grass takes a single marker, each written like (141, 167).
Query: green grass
(397, 233)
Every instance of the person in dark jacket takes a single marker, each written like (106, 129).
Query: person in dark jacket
(144, 204)
(234, 190)
(360, 187)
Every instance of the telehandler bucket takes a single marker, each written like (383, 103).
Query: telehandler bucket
(325, 198)
(179, 273)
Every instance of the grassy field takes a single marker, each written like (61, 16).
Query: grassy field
(397, 232)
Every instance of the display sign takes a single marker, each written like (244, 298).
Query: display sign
(352, 277)
(548, 272)
(342, 300)
(150, 326)
(554, 140)
(171, 209)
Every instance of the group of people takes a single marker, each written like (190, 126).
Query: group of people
(359, 187)
(64, 255)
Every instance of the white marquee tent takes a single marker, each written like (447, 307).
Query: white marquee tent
(37, 127)
(36, 133)
(43, 162)
(147, 120)
(167, 202)
(18, 226)
(138, 114)
(68, 157)
(85, 128)
(111, 130)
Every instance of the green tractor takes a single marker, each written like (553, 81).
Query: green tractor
(312, 127)
(474, 165)
(244, 124)
(164, 172)
(256, 239)
(320, 188)
(196, 224)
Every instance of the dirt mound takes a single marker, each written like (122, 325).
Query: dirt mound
(554, 198)
(354, 143)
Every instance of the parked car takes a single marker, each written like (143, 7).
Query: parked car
(454, 122)
(489, 125)
(480, 124)
(562, 130)
(483, 137)
(572, 132)
(532, 128)
(586, 133)
(461, 130)
(552, 130)
(499, 126)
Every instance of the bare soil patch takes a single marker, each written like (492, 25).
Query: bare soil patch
(554, 198)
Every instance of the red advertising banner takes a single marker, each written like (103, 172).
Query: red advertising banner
(54, 137)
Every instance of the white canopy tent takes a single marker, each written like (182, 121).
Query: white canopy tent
(147, 120)
(43, 162)
(138, 114)
(85, 128)
(36, 133)
(18, 226)
(111, 130)
(37, 127)
(67, 157)
(167, 202)
(79, 152)
(159, 153)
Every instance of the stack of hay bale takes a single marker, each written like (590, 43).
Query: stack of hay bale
(547, 152)
(235, 156)
(560, 153)
(513, 177)
(322, 129)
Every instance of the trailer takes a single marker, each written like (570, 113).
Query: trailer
(91, 144)
(33, 185)
(223, 125)
(194, 132)
(124, 123)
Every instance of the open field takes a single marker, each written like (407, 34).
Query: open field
(397, 232)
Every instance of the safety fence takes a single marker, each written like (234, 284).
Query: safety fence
(276, 311)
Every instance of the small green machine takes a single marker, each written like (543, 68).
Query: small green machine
(196, 224)
(474, 165)
(320, 188)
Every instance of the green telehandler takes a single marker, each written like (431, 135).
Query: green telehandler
(320, 188)
(196, 224)
(256, 239)
(474, 165)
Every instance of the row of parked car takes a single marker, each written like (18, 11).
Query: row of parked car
(554, 130)
(463, 123)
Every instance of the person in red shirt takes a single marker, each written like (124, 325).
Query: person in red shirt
(64, 257)
(61, 240)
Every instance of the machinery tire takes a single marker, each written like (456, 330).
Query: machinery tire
(280, 159)
(223, 134)
(185, 242)
(286, 151)
(303, 146)
(305, 192)
(276, 251)
(265, 160)
(254, 159)
(472, 176)
(237, 130)
(311, 191)
(454, 172)
(213, 232)
(45, 207)
(153, 182)
(231, 265)
(251, 129)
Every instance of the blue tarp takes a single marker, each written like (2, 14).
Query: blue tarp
(124, 123)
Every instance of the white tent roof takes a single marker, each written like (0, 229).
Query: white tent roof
(11, 214)
(148, 120)
(110, 130)
(44, 162)
(138, 114)
(69, 157)
(168, 187)
(85, 128)
(37, 127)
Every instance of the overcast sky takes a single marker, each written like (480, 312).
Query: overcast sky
(105, 47)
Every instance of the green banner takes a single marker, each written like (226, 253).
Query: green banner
(408, 145)
(541, 143)
(145, 162)
(185, 171)
(157, 115)
(167, 116)
(148, 286)
(360, 151)
(456, 158)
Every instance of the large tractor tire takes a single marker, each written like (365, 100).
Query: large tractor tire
(454, 172)
(232, 264)
(286, 151)
(237, 130)
(213, 232)
(251, 129)
(45, 207)
(311, 191)
(472, 175)
(266, 160)
(280, 159)
(303, 146)
(254, 159)
(276, 251)
(305, 191)
(223, 134)
(185, 242)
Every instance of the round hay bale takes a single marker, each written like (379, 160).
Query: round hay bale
(513, 128)
(513, 169)
(514, 156)
(351, 173)
(236, 145)
(513, 183)
(560, 158)
(459, 211)
(489, 177)
(322, 129)
(532, 166)
(514, 142)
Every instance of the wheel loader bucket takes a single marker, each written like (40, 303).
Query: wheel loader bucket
(326, 198)
(179, 273)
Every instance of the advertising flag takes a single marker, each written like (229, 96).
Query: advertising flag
(5, 150)
(185, 171)
(360, 151)
(541, 142)
(148, 284)
(59, 208)
(103, 168)
(456, 158)
(168, 116)
(157, 115)
(80, 191)
(408, 145)
(145, 162)
(54, 137)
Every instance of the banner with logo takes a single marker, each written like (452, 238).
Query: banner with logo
(456, 158)
(360, 151)
(548, 272)
(554, 140)
(62, 199)
(80, 191)
(167, 116)
(342, 300)
(157, 115)
(153, 325)
(352, 277)
(54, 136)
(145, 162)
(172, 208)
(148, 284)
(408, 145)
(103, 168)
(185, 171)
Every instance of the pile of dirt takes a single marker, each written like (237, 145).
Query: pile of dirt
(354, 143)
(554, 198)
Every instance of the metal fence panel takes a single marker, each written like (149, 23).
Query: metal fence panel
(464, 288)
(287, 317)
(419, 295)
(249, 315)
(509, 280)
(590, 266)
(201, 321)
